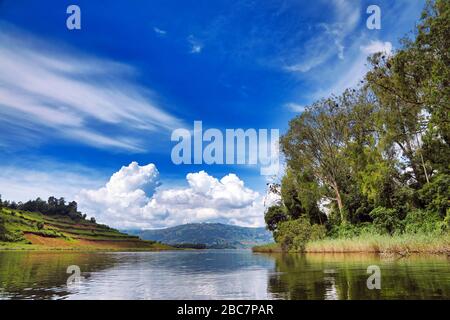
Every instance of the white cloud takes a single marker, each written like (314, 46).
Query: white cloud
(45, 179)
(355, 71)
(295, 107)
(64, 91)
(196, 45)
(159, 31)
(131, 199)
(330, 38)
(377, 46)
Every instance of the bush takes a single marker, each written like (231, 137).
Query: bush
(345, 230)
(446, 223)
(318, 232)
(294, 234)
(421, 221)
(435, 195)
(386, 220)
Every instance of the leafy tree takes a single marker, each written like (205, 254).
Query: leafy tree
(379, 153)
(314, 144)
(274, 215)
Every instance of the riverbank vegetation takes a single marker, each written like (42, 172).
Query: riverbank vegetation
(368, 170)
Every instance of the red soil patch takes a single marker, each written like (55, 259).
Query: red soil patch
(86, 244)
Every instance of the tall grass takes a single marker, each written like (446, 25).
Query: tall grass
(404, 243)
(401, 244)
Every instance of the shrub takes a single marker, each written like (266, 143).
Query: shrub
(344, 230)
(435, 195)
(421, 221)
(386, 220)
(318, 232)
(446, 223)
(294, 234)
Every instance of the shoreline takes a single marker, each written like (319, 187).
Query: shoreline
(104, 245)
(402, 245)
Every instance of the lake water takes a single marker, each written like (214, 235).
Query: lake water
(220, 274)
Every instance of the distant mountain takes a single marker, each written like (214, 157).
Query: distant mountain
(213, 235)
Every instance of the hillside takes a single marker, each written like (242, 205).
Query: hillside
(30, 230)
(213, 235)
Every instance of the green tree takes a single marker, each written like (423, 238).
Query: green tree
(274, 216)
(314, 143)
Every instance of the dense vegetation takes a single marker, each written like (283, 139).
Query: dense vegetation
(207, 235)
(51, 207)
(374, 161)
(38, 224)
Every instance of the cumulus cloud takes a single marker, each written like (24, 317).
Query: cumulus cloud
(131, 199)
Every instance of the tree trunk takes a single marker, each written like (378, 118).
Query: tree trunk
(339, 201)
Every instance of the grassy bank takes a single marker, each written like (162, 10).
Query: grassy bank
(267, 248)
(401, 244)
(23, 230)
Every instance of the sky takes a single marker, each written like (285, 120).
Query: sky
(87, 114)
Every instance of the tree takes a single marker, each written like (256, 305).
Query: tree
(413, 89)
(274, 216)
(315, 143)
(300, 194)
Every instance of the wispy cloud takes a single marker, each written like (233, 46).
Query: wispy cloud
(75, 94)
(159, 31)
(294, 107)
(195, 44)
(36, 178)
(356, 70)
(329, 38)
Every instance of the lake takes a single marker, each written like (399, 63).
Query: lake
(219, 274)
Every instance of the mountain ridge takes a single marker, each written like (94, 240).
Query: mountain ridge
(212, 235)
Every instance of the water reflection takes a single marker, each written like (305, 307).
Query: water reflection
(339, 276)
(42, 275)
(219, 274)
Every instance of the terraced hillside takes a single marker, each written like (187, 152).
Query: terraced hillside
(30, 230)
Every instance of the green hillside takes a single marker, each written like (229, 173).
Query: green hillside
(21, 229)
(212, 235)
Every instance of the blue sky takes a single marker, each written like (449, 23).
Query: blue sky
(77, 105)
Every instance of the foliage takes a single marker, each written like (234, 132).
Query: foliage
(435, 195)
(318, 232)
(294, 234)
(273, 216)
(421, 221)
(386, 220)
(375, 159)
(50, 207)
